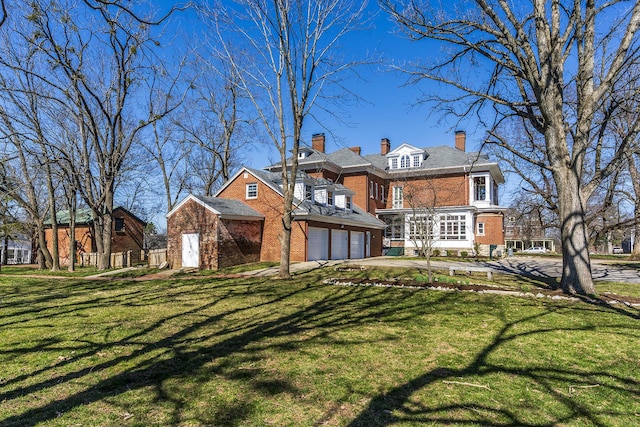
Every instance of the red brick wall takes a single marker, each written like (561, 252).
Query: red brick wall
(493, 229)
(129, 240)
(239, 242)
(222, 243)
(192, 217)
(446, 190)
(83, 237)
(132, 238)
(269, 203)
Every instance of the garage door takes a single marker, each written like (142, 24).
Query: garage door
(339, 244)
(357, 244)
(318, 244)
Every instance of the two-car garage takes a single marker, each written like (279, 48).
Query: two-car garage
(343, 244)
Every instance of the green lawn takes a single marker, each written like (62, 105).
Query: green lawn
(204, 351)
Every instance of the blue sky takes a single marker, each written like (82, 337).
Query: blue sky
(388, 108)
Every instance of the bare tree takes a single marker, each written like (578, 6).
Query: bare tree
(291, 50)
(552, 64)
(103, 66)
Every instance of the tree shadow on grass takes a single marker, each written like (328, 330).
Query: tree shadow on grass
(398, 406)
(216, 337)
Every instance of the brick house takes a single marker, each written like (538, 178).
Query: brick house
(127, 233)
(213, 233)
(455, 189)
(327, 224)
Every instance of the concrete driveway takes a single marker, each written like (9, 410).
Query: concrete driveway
(526, 265)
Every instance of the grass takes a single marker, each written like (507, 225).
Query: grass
(202, 351)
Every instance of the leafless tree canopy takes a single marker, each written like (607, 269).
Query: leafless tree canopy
(552, 65)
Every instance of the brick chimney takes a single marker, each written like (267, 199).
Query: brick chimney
(461, 139)
(355, 150)
(317, 142)
(385, 146)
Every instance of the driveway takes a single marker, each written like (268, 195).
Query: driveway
(536, 266)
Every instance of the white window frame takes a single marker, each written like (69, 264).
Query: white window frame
(394, 163)
(453, 227)
(251, 191)
(377, 191)
(405, 161)
(347, 202)
(308, 192)
(477, 187)
(371, 189)
(416, 160)
(480, 228)
(329, 198)
(398, 197)
(382, 193)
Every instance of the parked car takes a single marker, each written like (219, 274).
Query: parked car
(617, 250)
(535, 250)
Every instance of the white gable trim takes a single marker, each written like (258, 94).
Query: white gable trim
(185, 200)
(243, 170)
(404, 148)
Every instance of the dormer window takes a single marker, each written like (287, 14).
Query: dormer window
(308, 192)
(347, 202)
(417, 161)
(302, 154)
(404, 161)
(394, 163)
(330, 198)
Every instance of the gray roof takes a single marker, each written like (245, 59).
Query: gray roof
(355, 216)
(229, 207)
(438, 157)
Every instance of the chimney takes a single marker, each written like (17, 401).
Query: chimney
(385, 146)
(317, 142)
(355, 150)
(461, 139)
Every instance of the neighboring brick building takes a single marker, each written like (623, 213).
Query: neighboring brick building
(127, 233)
(213, 233)
(456, 189)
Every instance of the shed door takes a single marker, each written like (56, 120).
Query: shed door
(190, 250)
(357, 244)
(339, 244)
(318, 244)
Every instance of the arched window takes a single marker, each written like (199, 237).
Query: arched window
(405, 161)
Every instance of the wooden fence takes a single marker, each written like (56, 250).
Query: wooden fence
(127, 259)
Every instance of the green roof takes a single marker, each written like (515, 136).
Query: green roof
(83, 216)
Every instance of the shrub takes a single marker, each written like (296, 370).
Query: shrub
(464, 254)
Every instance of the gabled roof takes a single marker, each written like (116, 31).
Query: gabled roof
(84, 216)
(225, 208)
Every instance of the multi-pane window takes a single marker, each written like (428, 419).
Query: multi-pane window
(371, 189)
(481, 229)
(421, 227)
(252, 190)
(329, 198)
(308, 192)
(405, 161)
(453, 227)
(416, 161)
(398, 198)
(347, 202)
(394, 163)
(395, 227)
(480, 187)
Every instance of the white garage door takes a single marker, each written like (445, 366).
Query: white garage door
(318, 244)
(339, 244)
(190, 250)
(357, 244)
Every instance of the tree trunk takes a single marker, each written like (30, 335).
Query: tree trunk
(285, 237)
(576, 263)
(44, 259)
